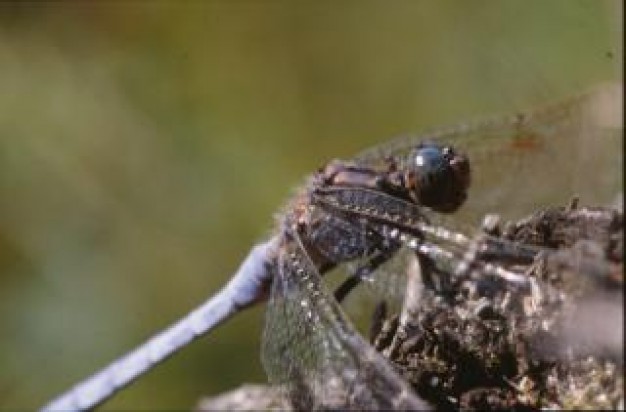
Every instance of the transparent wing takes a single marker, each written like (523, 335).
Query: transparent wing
(519, 163)
(312, 351)
(543, 156)
(388, 282)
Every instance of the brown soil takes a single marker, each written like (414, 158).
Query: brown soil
(557, 345)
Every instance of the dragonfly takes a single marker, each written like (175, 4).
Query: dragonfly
(412, 193)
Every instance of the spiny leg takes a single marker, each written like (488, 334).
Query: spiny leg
(363, 272)
(463, 258)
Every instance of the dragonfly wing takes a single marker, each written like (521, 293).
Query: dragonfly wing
(314, 353)
(541, 156)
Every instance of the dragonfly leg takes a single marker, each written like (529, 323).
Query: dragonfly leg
(432, 276)
(422, 274)
(362, 272)
(377, 321)
(410, 307)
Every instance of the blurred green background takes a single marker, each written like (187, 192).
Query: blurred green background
(144, 148)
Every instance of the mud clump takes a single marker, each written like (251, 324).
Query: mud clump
(487, 344)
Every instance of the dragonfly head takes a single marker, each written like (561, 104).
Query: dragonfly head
(438, 177)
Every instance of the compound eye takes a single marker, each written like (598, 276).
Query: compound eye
(429, 159)
(440, 177)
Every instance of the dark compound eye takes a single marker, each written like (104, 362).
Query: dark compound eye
(441, 177)
(429, 160)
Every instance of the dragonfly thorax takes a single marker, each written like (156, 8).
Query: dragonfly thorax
(343, 214)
